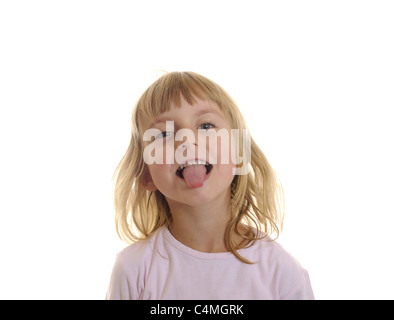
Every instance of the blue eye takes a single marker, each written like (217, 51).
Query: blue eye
(206, 126)
(164, 134)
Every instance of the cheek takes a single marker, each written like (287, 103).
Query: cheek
(218, 146)
(159, 173)
(223, 174)
(226, 170)
(224, 151)
(159, 152)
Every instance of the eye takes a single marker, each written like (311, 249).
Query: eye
(206, 126)
(164, 134)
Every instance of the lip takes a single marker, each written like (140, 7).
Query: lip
(208, 166)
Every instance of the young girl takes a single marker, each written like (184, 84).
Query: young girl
(199, 215)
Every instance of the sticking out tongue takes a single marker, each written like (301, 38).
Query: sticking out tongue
(194, 175)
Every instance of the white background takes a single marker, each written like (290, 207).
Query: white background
(314, 79)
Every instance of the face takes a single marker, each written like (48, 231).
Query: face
(192, 165)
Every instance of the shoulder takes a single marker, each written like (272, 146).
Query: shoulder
(270, 252)
(277, 254)
(128, 273)
(288, 275)
(134, 256)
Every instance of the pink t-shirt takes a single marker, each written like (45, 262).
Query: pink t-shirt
(163, 268)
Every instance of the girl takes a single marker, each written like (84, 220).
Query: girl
(199, 226)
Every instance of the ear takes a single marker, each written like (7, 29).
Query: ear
(146, 180)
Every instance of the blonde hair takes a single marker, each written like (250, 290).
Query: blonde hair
(256, 198)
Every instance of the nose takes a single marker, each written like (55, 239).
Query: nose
(185, 145)
(185, 138)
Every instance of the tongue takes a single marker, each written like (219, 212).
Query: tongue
(194, 175)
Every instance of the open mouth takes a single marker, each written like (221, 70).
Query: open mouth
(179, 171)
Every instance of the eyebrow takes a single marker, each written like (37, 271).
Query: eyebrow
(197, 114)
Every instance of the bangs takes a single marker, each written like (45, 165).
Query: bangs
(168, 89)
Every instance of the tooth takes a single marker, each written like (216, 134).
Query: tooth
(191, 163)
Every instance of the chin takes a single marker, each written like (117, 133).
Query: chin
(196, 200)
(202, 196)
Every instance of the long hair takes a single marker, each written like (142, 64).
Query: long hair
(256, 197)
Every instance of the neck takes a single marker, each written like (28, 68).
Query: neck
(201, 227)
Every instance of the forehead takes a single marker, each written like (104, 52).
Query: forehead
(169, 93)
(183, 110)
